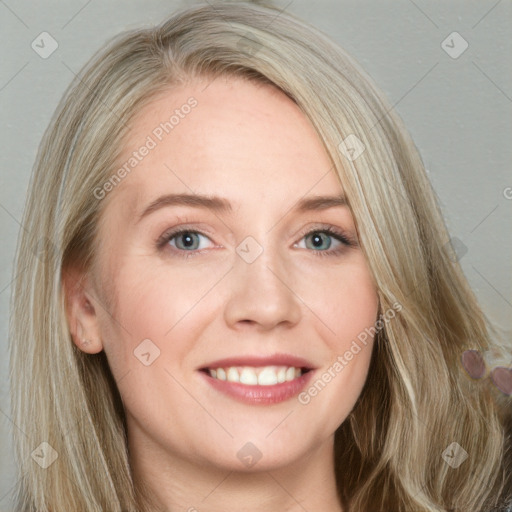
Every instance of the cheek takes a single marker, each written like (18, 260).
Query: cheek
(344, 298)
(153, 299)
(346, 302)
(351, 316)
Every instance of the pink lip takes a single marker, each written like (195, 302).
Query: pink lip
(275, 360)
(263, 395)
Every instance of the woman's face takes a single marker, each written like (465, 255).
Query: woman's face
(253, 289)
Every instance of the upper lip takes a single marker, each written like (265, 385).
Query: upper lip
(274, 360)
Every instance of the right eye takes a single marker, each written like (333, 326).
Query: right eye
(182, 240)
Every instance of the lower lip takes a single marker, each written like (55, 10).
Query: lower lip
(264, 395)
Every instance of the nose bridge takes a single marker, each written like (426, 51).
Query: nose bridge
(259, 263)
(259, 292)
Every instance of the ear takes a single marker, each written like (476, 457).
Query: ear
(80, 311)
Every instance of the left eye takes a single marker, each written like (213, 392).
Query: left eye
(320, 240)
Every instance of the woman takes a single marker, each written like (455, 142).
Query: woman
(237, 291)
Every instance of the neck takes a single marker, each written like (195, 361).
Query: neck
(172, 484)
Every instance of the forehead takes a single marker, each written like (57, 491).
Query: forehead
(227, 136)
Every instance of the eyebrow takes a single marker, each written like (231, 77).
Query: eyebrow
(221, 205)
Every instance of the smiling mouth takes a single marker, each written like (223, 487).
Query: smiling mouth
(257, 376)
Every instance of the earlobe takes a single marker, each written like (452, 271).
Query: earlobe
(83, 342)
(90, 347)
(81, 313)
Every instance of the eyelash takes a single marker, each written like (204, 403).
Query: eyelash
(326, 229)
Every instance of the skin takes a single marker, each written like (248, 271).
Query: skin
(250, 144)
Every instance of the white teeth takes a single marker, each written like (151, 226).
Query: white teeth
(252, 376)
(248, 376)
(290, 374)
(267, 377)
(233, 375)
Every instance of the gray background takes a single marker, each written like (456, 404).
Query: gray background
(457, 109)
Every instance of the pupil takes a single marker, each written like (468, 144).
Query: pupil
(317, 238)
(188, 240)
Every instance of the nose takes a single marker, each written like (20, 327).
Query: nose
(261, 293)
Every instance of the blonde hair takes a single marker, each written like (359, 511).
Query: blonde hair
(417, 399)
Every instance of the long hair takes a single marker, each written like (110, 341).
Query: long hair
(417, 399)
